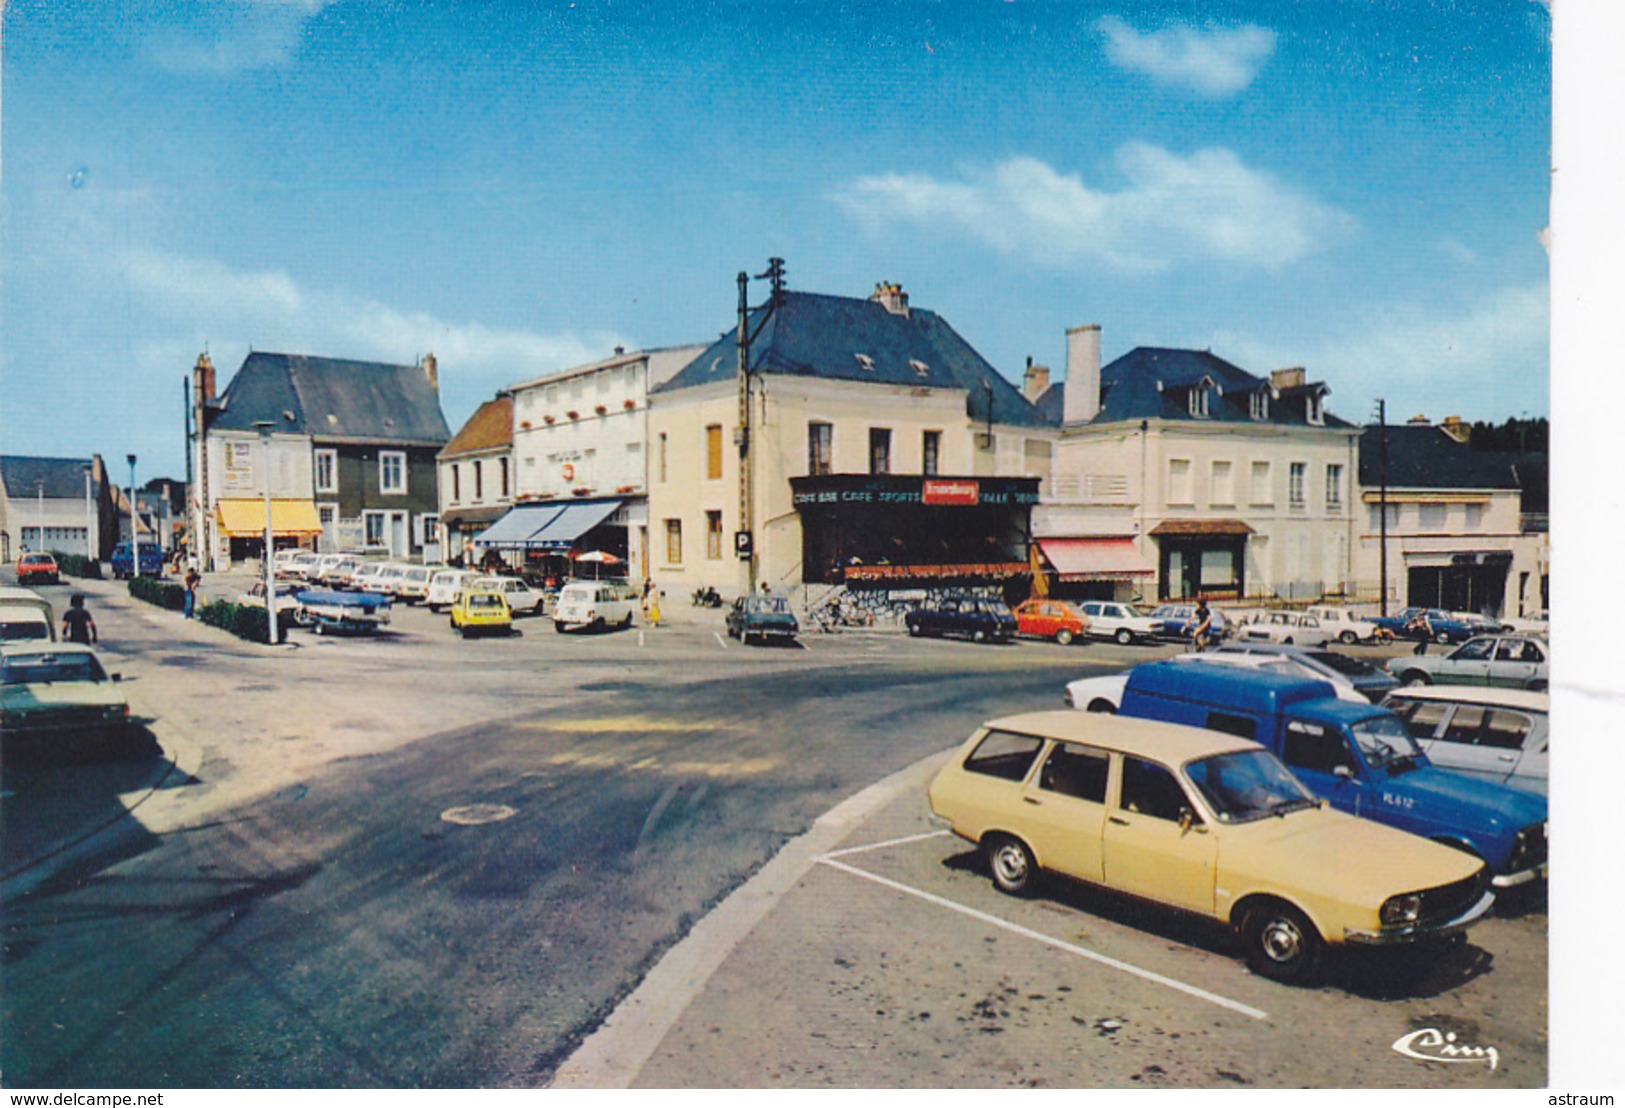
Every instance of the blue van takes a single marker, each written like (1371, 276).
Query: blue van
(152, 560)
(1358, 756)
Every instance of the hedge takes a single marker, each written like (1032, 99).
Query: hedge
(77, 565)
(165, 594)
(243, 620)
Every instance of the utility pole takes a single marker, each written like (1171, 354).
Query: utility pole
(744, 537)
(1382, 503)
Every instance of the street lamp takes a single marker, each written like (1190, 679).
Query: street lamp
(264, 427)
(90, 553)
(135, 548)
(40, 486)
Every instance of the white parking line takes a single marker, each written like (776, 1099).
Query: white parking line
(718, 636)
(878, 846)
(1039, 936)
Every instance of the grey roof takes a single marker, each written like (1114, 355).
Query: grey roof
(813, 335)
(1421, 456)
(1129, 388)
(63, 478)
(334, 398)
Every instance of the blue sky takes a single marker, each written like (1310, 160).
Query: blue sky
(1359, 188)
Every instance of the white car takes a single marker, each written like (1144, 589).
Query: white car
(595, 604)
(370, 577)
(1500, 735)
(1539, 624)
(444, 587)
(414, 584)
(1110, 619)
(1296, 628)
(1343, 623)
(521, 598)
(295, 563)
(1105, 694)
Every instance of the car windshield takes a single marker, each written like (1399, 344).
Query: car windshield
(40, 669)
(1342, 663)
(769, 604)
(1384, 741)
(1248, 785)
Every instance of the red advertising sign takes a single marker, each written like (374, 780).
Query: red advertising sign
(950, 492)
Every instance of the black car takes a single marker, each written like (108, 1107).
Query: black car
(976, 619)
(761, 617)
(1340, 669)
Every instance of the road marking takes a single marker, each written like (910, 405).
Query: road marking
(1039, 936)
(718, 636)
(640, 636)
(889, 842)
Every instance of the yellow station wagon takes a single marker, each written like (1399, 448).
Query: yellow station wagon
(1204, 822)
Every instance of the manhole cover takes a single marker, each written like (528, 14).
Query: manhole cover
(471, 814)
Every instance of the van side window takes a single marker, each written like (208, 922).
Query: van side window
(1151, 790)
(1240, 726)
(1072, 770)
(1001, 754)
(1315, 748)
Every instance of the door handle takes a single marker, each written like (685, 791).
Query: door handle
(1032, 800)
(1506, 757)
(1117, 820)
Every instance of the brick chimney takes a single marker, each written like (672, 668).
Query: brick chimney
(1081, 401)
(1290, 378)
(431, 369)
(1035, 381)
(203, 379)
(1455, 428)
(1418, 420)
(891, 297)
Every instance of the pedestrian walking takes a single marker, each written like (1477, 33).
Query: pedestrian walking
(193, 579)
(77, 624)
(654, 607)
(1202, 633)
(1419, 628)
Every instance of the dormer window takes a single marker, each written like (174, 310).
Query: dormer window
(1198, 401)
(1314, 410)
(865, 361)
(1260, 404)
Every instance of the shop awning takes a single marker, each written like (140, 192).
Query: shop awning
(571, 523)
(515, 529)
(1201, 527)
(245, 518)
(1113, 559)
(466, 517)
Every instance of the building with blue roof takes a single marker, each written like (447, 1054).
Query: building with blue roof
(64, 505)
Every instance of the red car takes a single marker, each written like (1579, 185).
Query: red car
(1050, 619)
(37, 569)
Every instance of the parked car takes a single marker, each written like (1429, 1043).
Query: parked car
(382, 579)
(444, 587)
(414, 584)
(1443, 626)
(1500, 735)
(56, 699)
(1358, 756)
(761, 617)
(595, 604)
(288, 605)
(339, 574)
(1361, 677)
(1126, 623)
(976, 619)
(324, 563)
(1105, 693)
(1511, 661)
(1343, 623)
(296, 564)
(20, 624)
(122, 564)
(521, 598)
(37, 569)
(480, 612)
(1538, 624)
(1050, 619)
(366, 577)
(1291, 628)
(1201, 821)
(1177, 623)
(15, 602)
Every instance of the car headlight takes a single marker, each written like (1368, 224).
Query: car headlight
(1401, 909)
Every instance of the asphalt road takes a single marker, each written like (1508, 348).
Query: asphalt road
(417, 861)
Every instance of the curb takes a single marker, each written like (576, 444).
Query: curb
(613, 1055)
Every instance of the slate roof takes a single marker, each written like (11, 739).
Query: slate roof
(1129, 391)
(334, 399)
(489, 428)
(814, 335)
(1425, 457)
(64, 478)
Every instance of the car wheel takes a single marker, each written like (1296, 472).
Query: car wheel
(1064, 637)
(1537, 685)
(1287, 641)
(1442, 638)
(1105, 707)
(1124, 636)
(914, 630)
(1415, 677)
(1348, 638)
(320, 628)
(1011, 863)
(978, 635)
(558, 626)
(1282, 944)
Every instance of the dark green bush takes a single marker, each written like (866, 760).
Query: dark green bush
(243, 620)
(165, 594)
(77, 565)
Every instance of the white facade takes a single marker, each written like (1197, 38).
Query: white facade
(236, 466)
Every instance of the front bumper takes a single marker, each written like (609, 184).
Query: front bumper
(1391, 936)
(1521, 877)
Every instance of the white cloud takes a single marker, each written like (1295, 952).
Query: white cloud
(1213, 61)
(1173, 209)
(233, 36)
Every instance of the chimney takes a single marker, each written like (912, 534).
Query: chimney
(1418, 420)
(431, 369)
(1035, 381)
(1081, 401)
(203, 379)
(891, 297)
(1289, 378)
(1455, 428)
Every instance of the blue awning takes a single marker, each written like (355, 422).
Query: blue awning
(515, 529)
(571, 523)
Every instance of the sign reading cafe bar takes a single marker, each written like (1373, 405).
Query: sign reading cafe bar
(927, 491)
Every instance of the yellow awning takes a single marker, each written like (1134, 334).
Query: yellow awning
(246, 518)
